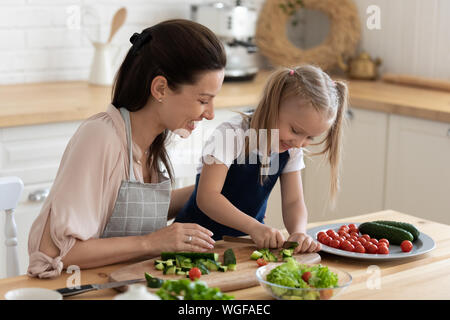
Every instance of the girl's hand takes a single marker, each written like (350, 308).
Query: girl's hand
(180, 237)
(305, 243)
(267, 237)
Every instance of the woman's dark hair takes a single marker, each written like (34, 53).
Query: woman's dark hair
(179, 50)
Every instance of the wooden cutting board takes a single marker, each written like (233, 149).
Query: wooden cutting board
(243, 277)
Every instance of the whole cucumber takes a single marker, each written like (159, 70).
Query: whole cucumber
(403, 225)
(393, 234)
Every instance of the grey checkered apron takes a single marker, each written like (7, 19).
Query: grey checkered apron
(140, 208)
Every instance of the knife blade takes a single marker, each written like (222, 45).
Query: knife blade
(286, 244)
(67, 292)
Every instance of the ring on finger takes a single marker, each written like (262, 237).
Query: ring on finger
(189, 240)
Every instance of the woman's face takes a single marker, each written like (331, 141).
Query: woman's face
(184, 108)
(299, 124)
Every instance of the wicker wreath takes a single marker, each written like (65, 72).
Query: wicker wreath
(271, 35)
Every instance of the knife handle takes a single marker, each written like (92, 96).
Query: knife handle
(67, 292)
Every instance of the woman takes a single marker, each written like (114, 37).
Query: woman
(100, 211)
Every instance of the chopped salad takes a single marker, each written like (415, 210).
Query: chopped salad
(295, 275)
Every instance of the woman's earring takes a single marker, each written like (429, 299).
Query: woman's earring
(160, 100)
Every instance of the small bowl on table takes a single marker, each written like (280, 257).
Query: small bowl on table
(280, 292)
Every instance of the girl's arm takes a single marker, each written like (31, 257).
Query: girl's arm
(217, 207)
(295, 214)
(178, 199)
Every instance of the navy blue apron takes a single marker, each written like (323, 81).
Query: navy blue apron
(243, 189)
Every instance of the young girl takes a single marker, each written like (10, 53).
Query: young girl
(230, 196)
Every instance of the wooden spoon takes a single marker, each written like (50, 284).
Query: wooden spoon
(117, 22)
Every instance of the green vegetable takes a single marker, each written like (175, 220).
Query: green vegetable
(289, 274)
(229, 257)
(153, 282)
(286, 253)
(402, 225)
(197, 290)
(376, 230)
(256, 255)
(190, 255)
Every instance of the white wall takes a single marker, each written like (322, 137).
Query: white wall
(38, 41)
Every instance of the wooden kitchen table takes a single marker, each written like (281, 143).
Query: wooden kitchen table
(423, 277)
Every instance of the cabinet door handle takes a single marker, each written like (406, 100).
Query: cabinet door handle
(38, 195)
(350, 114)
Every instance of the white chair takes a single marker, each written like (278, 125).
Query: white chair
(10, 190)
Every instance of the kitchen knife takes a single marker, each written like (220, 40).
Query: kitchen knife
(67, 292)
(286, 244)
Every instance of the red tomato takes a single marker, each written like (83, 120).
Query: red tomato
(320, 234)
(343, 244)
(383, 250)
(362, 240)
(366, 236)
(406, 246)
(335, 243)
(351, 226)
(349, 247)
(360, 249)
(374, 241)
(326, 240)
(371, 248)
(385, 241)
(261, 262)
(306, 276)
(330, 232)
(195, 273)
(354, 234)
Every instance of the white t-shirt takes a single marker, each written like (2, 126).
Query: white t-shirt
(226, 143)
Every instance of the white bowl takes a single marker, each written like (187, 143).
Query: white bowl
(33, 294)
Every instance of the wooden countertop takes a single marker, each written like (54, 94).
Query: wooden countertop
(422, 277)
(38, 103)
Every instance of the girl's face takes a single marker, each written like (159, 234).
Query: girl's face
(184, 108)
(299, 124)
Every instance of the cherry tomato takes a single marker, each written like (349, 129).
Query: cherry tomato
(383, 250)
(354, 234)
(371, 248)
(406, 246)
(351, 226)
(261, 262)
(320, 235)
(366, 236)
(374, 241)
(335, 243)
(362, 240)
(360, 249)
(385, 241)
(349, 247)
(330, 232)
(306, 276)
(195, 273)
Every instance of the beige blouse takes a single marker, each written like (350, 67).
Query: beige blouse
(85, 189)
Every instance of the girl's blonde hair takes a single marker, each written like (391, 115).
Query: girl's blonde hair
(316, 88)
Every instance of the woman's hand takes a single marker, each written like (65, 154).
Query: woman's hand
(180, 237)
(266, 237)
(305, 243)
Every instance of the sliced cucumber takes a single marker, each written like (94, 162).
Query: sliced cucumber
(256, 255)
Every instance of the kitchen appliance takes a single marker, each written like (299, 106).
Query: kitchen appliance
(234, 23)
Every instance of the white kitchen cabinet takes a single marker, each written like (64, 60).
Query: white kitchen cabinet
(31, 153)
(418, 168)
(362, 171)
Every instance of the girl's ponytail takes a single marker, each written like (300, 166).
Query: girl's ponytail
(334, 138)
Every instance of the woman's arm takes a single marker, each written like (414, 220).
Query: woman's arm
(94, 252)
(178, 199)
(220, 209)
(295, 214)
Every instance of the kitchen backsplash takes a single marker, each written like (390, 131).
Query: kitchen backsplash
(47, 40)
